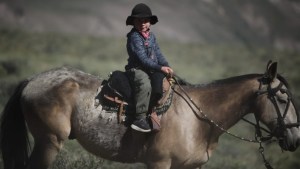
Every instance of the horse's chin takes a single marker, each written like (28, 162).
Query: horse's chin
(289, 144)
(287, 147)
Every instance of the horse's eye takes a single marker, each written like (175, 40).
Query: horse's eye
(281, 100)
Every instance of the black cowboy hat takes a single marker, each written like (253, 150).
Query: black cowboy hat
(141, 11)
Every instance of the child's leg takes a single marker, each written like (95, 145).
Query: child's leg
(157, 85)
(142, 91)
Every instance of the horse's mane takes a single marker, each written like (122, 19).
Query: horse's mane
(229, 80)
(182, 81)
(233, 79)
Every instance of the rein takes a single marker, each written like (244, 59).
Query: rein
(271, 92)
(205, 116)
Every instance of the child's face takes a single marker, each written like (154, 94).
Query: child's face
(142, 24)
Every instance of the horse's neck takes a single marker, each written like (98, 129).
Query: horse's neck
(227, 103)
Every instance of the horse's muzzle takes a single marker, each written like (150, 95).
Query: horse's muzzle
(289, 141)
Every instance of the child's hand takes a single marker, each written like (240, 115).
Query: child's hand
(167, 70)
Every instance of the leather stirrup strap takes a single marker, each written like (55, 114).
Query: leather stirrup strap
(155, 121)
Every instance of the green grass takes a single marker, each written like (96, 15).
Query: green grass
(24, 54)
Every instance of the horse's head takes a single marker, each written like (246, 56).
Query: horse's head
(277, 109)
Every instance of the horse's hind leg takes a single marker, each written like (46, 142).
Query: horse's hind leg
(48, 139)
(49, 130)
(49, 121)
(44, 152)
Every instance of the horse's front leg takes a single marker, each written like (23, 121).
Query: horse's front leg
(162, 164)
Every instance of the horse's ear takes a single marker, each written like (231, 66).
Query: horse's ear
(268, 65)
(272, 70)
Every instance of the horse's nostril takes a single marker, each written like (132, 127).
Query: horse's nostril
(298, 142)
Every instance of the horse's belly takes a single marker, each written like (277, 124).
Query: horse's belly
(99, 132)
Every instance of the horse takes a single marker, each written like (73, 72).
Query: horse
(60, 103)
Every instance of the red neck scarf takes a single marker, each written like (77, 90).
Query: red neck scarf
(146, 34)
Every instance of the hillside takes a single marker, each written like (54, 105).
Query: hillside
(203, 40)
(24, 54)
(272, 23)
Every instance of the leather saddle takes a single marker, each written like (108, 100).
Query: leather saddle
(116, 96)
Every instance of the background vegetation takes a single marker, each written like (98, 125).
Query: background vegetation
(23, 54)
(203, 40)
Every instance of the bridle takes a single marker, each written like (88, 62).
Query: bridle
(281, 127)
(280, 130)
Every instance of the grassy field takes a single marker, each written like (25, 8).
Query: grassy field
(25, 54)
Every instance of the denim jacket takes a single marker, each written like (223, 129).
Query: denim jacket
(144, 53)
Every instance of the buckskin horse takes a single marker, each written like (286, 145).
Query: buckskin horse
(60, 102)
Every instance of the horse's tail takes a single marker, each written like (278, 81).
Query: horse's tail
(14, 137)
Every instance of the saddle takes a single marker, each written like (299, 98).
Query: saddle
(116, 97)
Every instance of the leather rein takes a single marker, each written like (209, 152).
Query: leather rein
(278, 132)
